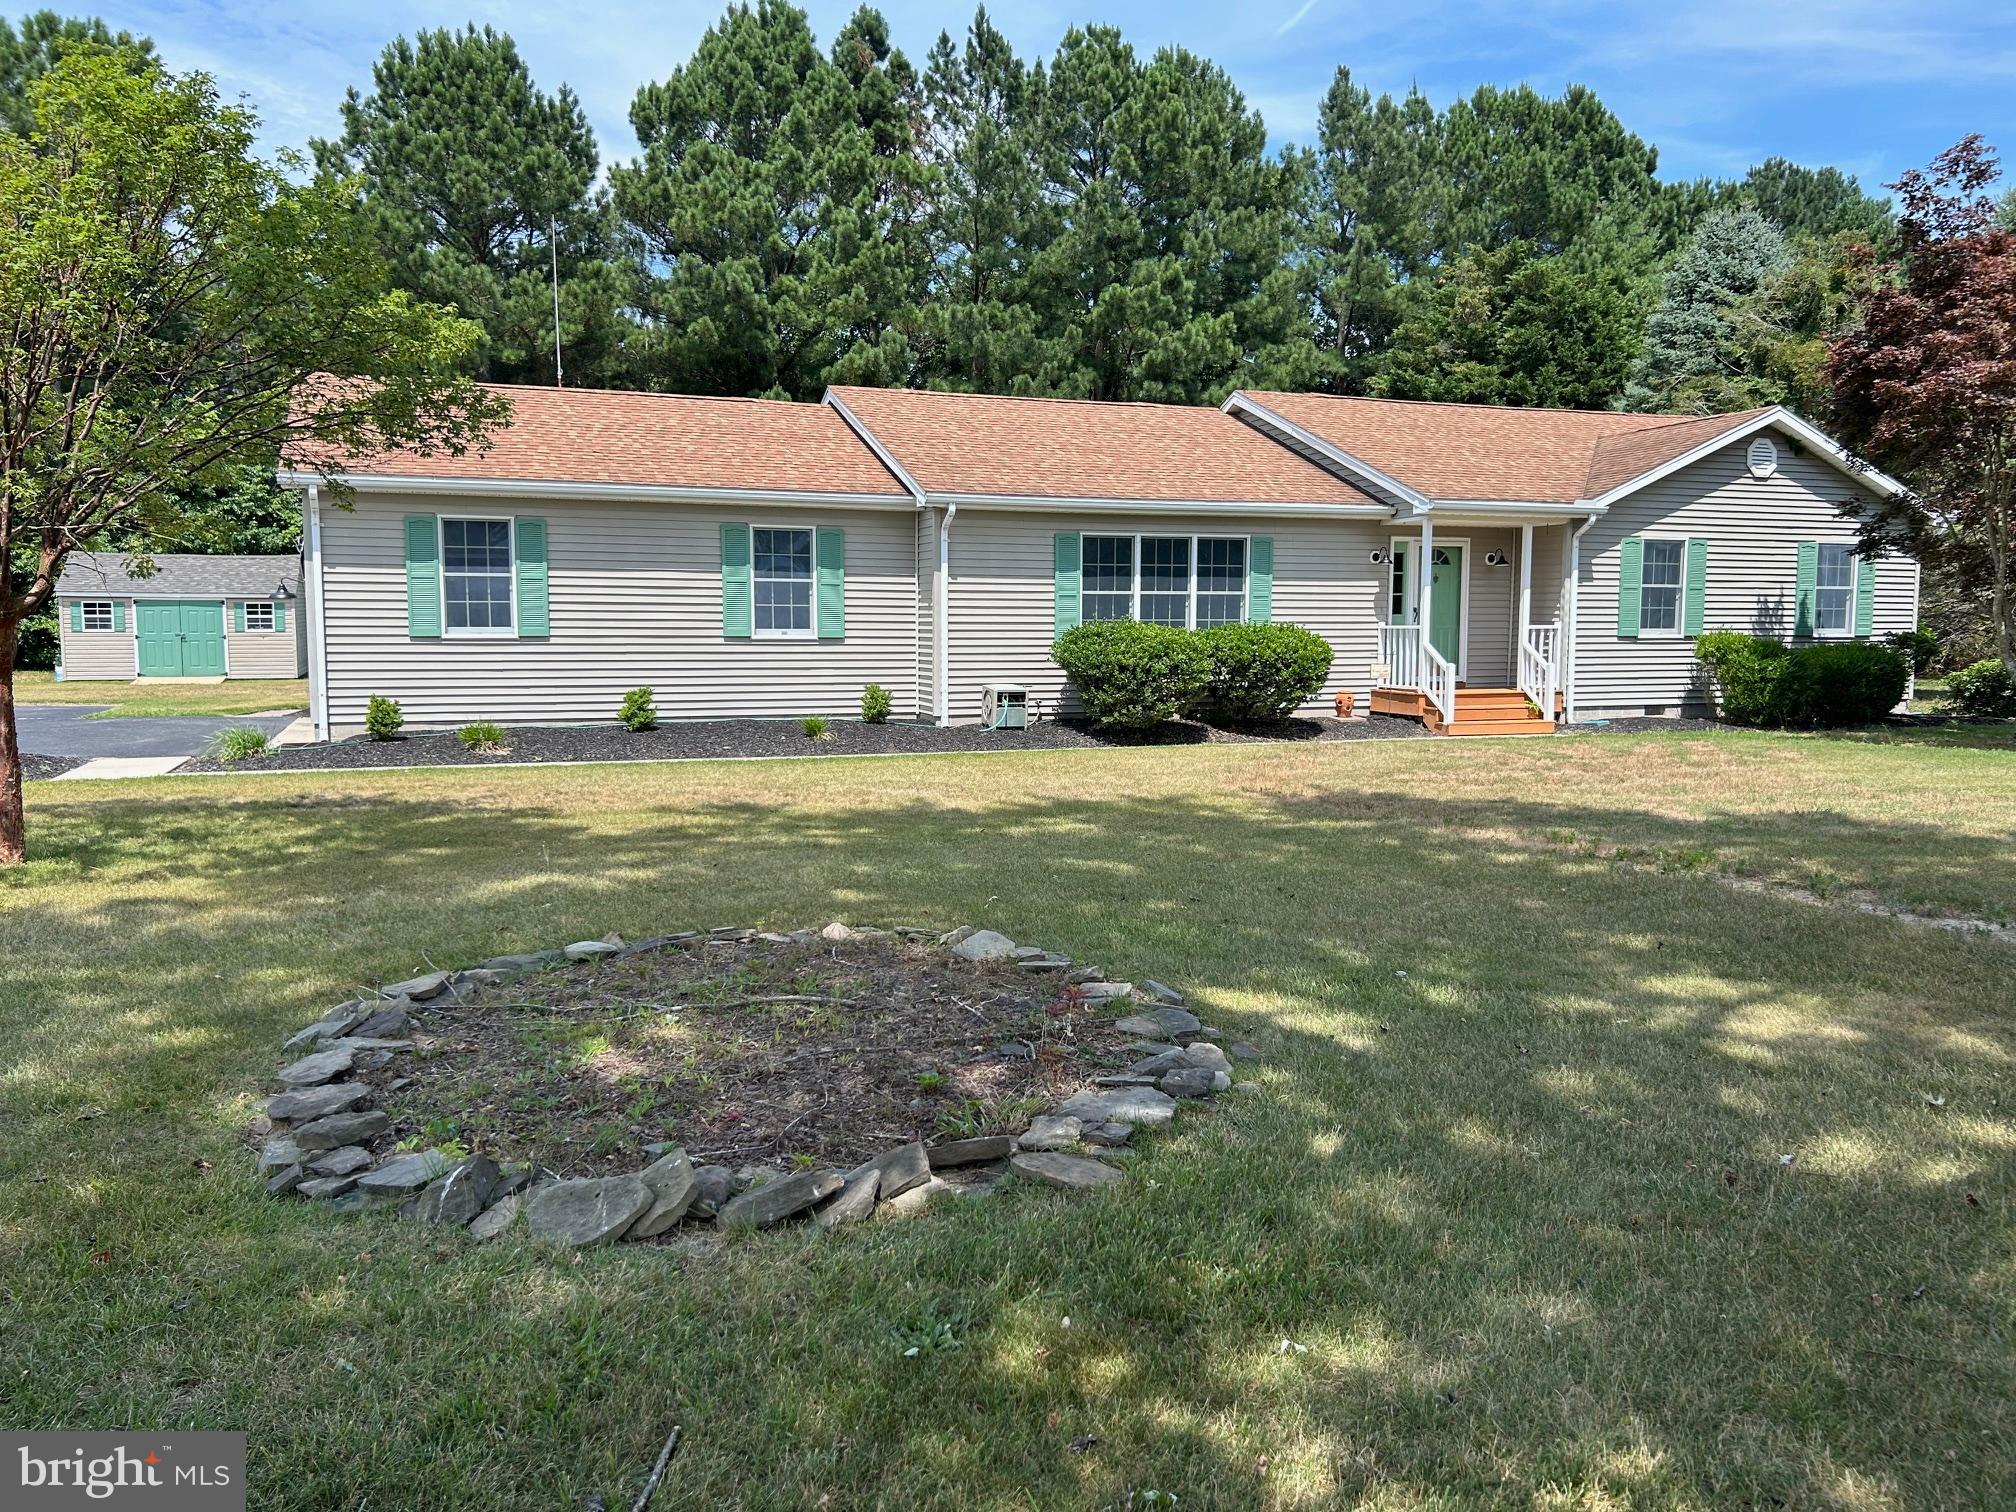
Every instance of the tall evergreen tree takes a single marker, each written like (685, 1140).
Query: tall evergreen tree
(469, 173)
(780, 194)
(30, 52)
(1814, 202)
(1702, 343)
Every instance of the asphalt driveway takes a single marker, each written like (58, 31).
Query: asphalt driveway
(64, 730)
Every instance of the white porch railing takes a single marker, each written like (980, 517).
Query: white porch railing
(1539, 665)
(1438, 681)
(1400, 654)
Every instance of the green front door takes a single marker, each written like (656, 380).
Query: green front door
(180, 637)
(1445, 610)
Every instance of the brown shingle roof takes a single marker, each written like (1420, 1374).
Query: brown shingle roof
(595, 436)
(1476, 451)
(1081, 449)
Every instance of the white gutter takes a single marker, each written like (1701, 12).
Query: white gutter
(318, 639)
(1039, 503)
(1572, 615)
(634, 493)
(940, 614)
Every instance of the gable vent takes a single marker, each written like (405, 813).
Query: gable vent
(1763, 457)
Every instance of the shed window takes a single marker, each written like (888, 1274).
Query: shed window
(1659, 588)
(782, 579)
(1834, 590)
(97, 614)
(258, 616)
(1185, 582)
(476, 573)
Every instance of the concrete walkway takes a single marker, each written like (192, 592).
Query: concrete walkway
(66, 730)
(100, 767)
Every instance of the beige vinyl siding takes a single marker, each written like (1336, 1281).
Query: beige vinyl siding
(636, 601)
(1004, 576)
(1550, 567)
(97, 655)
(1494, 600)
(1753, 527)
(264, 653)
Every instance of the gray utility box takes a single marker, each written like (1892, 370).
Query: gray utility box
(1004, 706)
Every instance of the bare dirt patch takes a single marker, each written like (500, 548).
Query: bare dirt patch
(795, 1051)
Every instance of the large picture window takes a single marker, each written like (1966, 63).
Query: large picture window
(1659, 587)
(476, 574)
(1186, 582)
(782, 578)
(1834, 590)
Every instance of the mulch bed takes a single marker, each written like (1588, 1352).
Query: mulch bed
(796, 1051)
(42, 768)
(533, 744)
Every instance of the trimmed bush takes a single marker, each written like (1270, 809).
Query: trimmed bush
(382, 718)
(876, 704)
(1984, 691)
(1132, 676)
(1917, 647)
(1746, 669)
(638, 712)
(1764, 682)
(1261, 671)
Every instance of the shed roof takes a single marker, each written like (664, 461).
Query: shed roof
(91, 574)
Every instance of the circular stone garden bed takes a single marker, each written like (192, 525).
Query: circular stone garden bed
(612, 1090)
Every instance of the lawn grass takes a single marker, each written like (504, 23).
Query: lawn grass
(135, 700)
(1514, 1179)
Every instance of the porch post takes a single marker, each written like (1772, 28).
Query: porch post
(1525, 580)
(1424, 594)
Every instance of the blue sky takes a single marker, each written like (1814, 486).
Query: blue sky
(1716, 85)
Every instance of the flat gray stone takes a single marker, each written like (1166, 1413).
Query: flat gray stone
(346, 1161)
(1191, 1081)
(1172, 1059)
(984, 945)
(673, 1188)
(1244, 1051)
(404, 1173)
(774, 1201)
(279, 1152)
(901, 1168)
(334, 1024)
(283, 1182)
(1108, 1135)
(496, 1218)
(386, 1023)
(1159, 1023)
(313, 1070)
(358, 1045)
(836, 931)
(1050, 1131)
(1078, 976)
(326, 1186)
(420, 988)
(1207, 1056)
(1074, 1173)
(959, 1152)
(459, 1196)
(1140, 1106)
(957, 936)
(1162, 992)
(1202, 1032)
(713, 1184)
(530, 961)
(1102, 992)
(309, 1103)
(1123, 1079)
(1041, 962)
(851, 1203)
(596, 1211)
(340, 1129)
(591, 950)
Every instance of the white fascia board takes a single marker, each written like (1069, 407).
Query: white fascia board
(1523, 509)
(1778, 418)
(874, 444)
(631, 493)
(1230, 507)
(1238, 403)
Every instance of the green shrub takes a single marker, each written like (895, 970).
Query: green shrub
(1262, 671)
(816, 727)
(1132, 676)
(1845, 683)
(638, 712)
(483, 735)
(382, 718)
(876, 704)
(1917, 647)
(1746, 669)
(237, 742)
(1984, 690)
(38, 646)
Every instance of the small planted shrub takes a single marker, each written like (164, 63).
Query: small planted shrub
(1917, 647)
(1983, 691)
(382, 718)
(638, 712)
(483, 736)
(1848, 683)
(1131, 676)
(816, 727)
(1745, 669)
(237, 743)
(876, 704)
(1261, 671)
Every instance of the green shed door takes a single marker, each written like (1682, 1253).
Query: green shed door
(181, 637)
(202, 638)
(160, 624)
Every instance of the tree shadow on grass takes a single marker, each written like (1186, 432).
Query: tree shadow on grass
(1513, 1180)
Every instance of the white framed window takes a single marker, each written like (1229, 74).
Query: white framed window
(1834, 590)
(477, 588)
(1185, 582)
(258, 616)
(97, 614)
(1659, 589)
(781, 577)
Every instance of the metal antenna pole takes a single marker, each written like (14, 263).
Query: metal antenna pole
(553, 246)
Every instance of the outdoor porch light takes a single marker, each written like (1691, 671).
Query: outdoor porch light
(1378, 556)
(281, 594)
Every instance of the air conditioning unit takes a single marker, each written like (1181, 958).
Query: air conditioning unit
(1004, 706)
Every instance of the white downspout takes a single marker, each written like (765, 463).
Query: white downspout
(318, 621)
(941, 611)
(1572, 610)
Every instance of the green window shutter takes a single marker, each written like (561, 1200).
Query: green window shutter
(1809, 576)
(529, 561)
(738, 607)
(1865, 595)
(1260, 581)
(1697, 585)
(118, 616)
(423, 576)
(279, 615)
(238, 616)
(1069, 558)
(76, 616)
(1630, 585)
(830, 574)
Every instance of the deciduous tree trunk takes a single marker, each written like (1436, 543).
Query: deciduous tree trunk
(13, 826)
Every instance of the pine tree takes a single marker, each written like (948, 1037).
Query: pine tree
(1701, 341)
(468, 172)
(26, 55)
(1814, 202)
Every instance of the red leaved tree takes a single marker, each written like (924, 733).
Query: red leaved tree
(1925, 385)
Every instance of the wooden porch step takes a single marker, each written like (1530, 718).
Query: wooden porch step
(1531, 725)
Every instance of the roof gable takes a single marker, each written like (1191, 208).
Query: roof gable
(176, 575)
